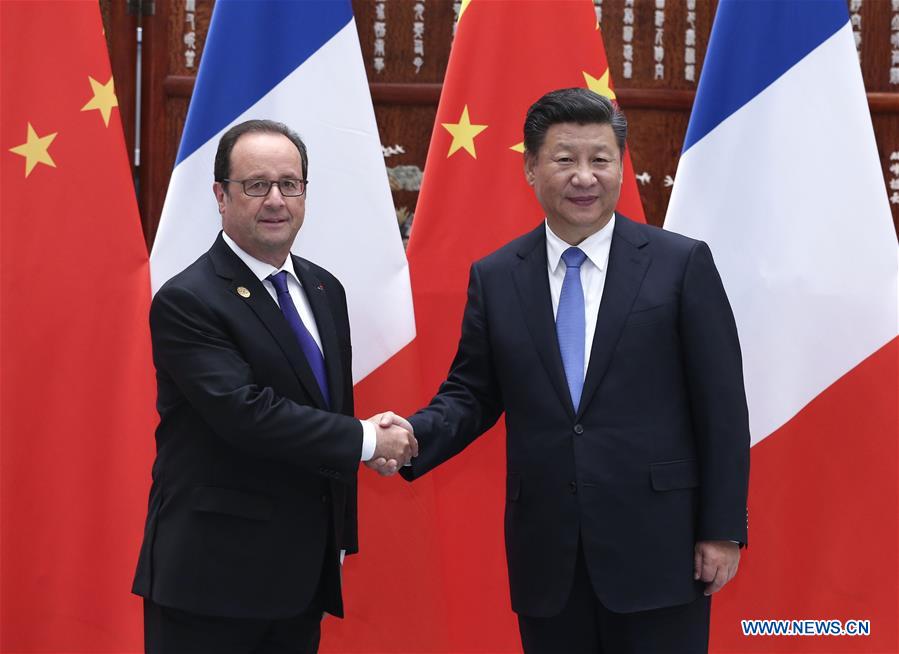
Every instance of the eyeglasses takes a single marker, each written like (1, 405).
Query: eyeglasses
(259, 188)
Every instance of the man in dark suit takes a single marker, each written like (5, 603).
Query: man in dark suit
(254, 484)
(612, 350)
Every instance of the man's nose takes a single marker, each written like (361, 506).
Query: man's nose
(274, 197)
(583, 175)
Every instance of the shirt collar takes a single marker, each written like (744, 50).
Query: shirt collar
(596, 246)
(260, 268)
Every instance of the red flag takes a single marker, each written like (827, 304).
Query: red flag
(452, 589)
(76, 381)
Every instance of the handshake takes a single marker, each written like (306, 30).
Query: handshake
(396, 445)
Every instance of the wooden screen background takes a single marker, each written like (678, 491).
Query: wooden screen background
(406, 45)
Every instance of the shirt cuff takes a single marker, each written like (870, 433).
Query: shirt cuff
(369, 440)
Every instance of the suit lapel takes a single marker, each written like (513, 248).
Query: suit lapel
(324, 320)
(229, 266)
(532, 283)
(628, 262)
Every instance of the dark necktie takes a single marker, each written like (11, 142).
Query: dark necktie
(571, 324)
(307, 343)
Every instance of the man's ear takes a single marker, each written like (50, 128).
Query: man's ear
(219, 191)
(530, 161)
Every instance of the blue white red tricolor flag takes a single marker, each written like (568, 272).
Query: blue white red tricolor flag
(780, 175)
(299, 63)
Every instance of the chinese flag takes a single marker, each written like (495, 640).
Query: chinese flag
(432, 552)
(76, 376)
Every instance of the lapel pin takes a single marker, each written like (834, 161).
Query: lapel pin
(242, 291)
(321, 287)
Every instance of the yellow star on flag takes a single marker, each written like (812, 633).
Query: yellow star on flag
(34, 149)
(601, 85)
(104, 98)
(463, 134)
(518, 147)
(462, 9)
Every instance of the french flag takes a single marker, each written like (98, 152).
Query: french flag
(299, 63)
(780, 175)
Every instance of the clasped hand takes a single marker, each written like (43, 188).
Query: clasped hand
(396, 444)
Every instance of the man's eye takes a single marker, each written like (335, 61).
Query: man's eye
(256, 184)
(289, 184)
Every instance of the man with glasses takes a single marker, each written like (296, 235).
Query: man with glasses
(254, 486)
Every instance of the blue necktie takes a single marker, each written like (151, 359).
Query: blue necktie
(307, 343)
(570, 323)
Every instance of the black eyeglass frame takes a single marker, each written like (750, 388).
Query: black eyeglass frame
(243, 184)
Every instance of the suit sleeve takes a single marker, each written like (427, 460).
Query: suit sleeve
(468, 403)
(714, 374)
(349, 540)
(192, 348)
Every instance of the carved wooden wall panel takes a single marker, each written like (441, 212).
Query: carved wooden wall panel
(655, 50)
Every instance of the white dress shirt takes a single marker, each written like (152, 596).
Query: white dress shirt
(593, 275)
(262, 270)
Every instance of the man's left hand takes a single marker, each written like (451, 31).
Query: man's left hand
(715, 561)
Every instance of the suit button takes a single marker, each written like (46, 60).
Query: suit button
(579, 429)
(324, 499)
(573, 487)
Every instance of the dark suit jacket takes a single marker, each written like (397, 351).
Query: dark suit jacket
(254, 484)
(657, 455)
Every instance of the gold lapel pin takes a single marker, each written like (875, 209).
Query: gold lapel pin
(242, 291)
